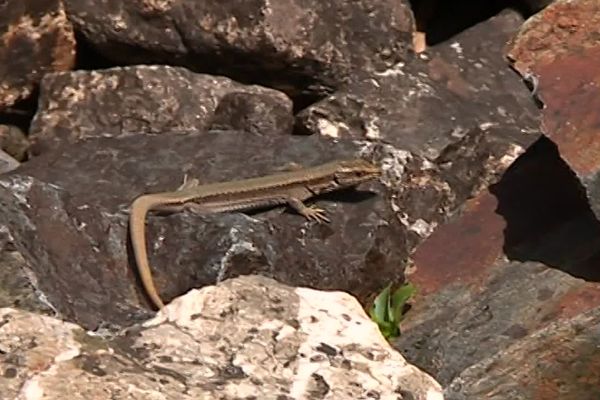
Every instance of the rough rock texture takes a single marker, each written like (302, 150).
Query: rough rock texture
(508, 292)
(7, 163)
(67, 211)
(432, 164)
(458, 110)
(13, 141)
(474, 306)
(36, 38)
(248, 337)
(292, 45)
(140, 99)
(16, 289)
(430, 104)
(566, 358)
(558, 50)
(254, 113)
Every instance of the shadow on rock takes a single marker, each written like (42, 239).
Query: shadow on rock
(548, 218)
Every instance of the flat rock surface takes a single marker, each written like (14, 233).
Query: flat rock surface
(458, 89)
(67, 212)
(249, 337)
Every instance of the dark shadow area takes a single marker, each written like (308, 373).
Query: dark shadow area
(348, 195)
(21, 113)
(298, 83)
(87, 57)
(548, 218)
(441, 20)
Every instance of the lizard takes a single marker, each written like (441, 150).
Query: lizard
(290, 187)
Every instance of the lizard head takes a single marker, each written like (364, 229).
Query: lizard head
(353, 172)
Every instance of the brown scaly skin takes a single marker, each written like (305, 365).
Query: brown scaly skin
(291, 188)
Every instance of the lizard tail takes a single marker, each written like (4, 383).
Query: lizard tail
(137, 230)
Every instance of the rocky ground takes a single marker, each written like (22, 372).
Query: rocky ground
(482, 116)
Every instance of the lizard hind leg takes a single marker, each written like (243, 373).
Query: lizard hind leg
(188, 183)
(291, 166)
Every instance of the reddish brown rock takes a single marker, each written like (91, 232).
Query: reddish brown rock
(36, 38)
(508, 292)
(558, 50)
(496, 282)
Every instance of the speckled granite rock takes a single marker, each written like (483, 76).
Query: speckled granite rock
(36, 39)
(248, 337)
(144, 99)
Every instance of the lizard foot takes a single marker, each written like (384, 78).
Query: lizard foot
(315, 214)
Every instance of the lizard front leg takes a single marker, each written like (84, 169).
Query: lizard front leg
(311, 213)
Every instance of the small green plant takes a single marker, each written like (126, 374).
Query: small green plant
(388, 308)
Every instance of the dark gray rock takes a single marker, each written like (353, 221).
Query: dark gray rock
(67, 213)
(508, 290)
(559, 361)
(458, 109)
(296, 46)
(457, 327)
(140, 99)
(17, 289)
(254, 113)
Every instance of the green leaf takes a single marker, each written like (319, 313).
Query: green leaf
(387, 309)
(379, 310)
(389, 330)
(398, 301)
